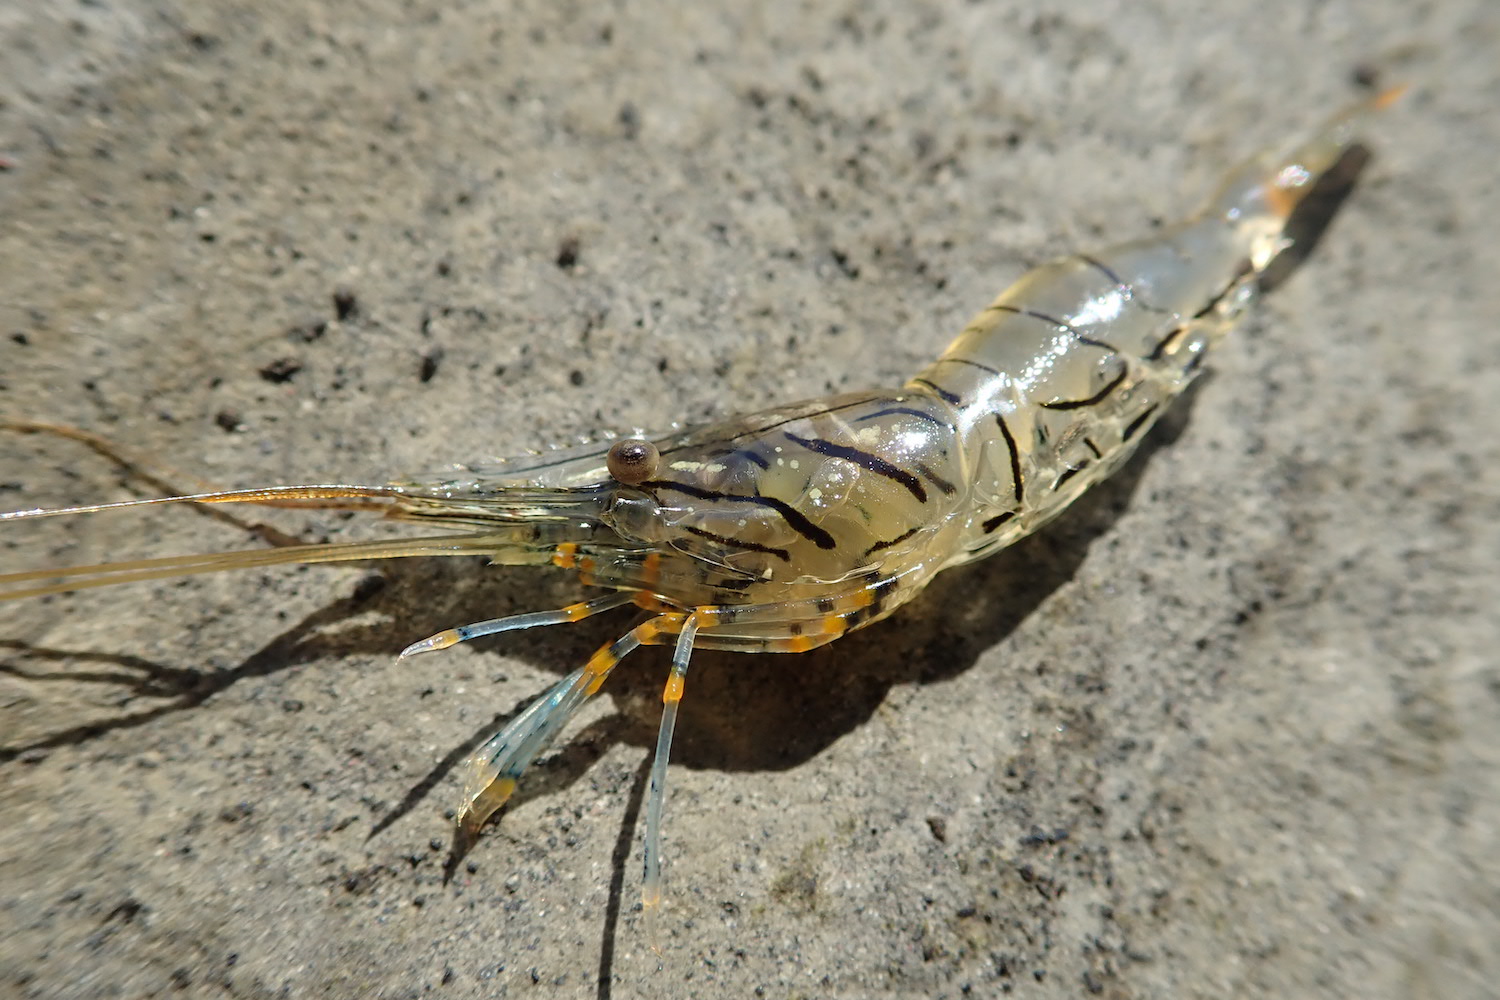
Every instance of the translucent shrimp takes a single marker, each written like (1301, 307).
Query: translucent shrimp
(782, 530)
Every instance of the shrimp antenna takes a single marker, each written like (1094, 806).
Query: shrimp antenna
(376, 498)
(271, 496)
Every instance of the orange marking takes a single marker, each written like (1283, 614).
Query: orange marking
(673, 691)
(651, 632)
(447, 637)
(482, 806)
(1389, 96)
(566, 555)
(853, 602)
(799, 643)
(651, 569)
(1280, 200)
(833, 625)
(601, 663)
(501, 791)
(576, 612)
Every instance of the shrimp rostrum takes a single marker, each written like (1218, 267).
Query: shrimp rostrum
(782, 530)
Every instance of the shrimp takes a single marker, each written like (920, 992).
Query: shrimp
(780, 531)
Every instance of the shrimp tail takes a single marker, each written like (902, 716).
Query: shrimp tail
(1261, 196)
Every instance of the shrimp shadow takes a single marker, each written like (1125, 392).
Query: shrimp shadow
(743, 713)
(1313, 215)
(169, 689)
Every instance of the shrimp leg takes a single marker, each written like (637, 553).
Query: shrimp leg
(822, 629)
(497, 765)
(511, 623)
(671, 697)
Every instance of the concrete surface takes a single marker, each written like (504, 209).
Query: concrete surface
(1230, 729)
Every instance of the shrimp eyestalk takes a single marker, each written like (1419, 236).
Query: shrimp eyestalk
(782, 530)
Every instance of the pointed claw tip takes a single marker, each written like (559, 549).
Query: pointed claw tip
(484, 804)
(651, 918)
(444, 639)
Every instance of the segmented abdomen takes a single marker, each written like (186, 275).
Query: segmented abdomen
(1057, 380)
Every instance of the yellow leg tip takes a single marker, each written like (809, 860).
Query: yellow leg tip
(482, 806)
(651, 920)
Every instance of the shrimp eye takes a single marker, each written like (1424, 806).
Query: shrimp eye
(633, 461)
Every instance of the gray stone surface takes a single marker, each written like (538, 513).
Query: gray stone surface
(1231, 728)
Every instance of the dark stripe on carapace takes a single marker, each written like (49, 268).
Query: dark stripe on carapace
(935, 479)
(1093, 448)
(794, 518)
(1015, 457)
(971, 364)
(1135, 425)
(1160, 350)
(1120, 283)
(944, 394)
(892, 541)
(882, 589)
(992, 523)
(1082, 338)
(905, 410)
(822, 412)
(864, 459)
(1069, 474)
(749, 456)
(1105, 270)
(781, 554)
(1098, 397)
(1246, 268)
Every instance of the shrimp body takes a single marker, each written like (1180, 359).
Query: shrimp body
(781, 530)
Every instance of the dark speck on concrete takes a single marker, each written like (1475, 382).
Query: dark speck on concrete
(345, 304)
(430, 361)
(567, 253)
(280, 370)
